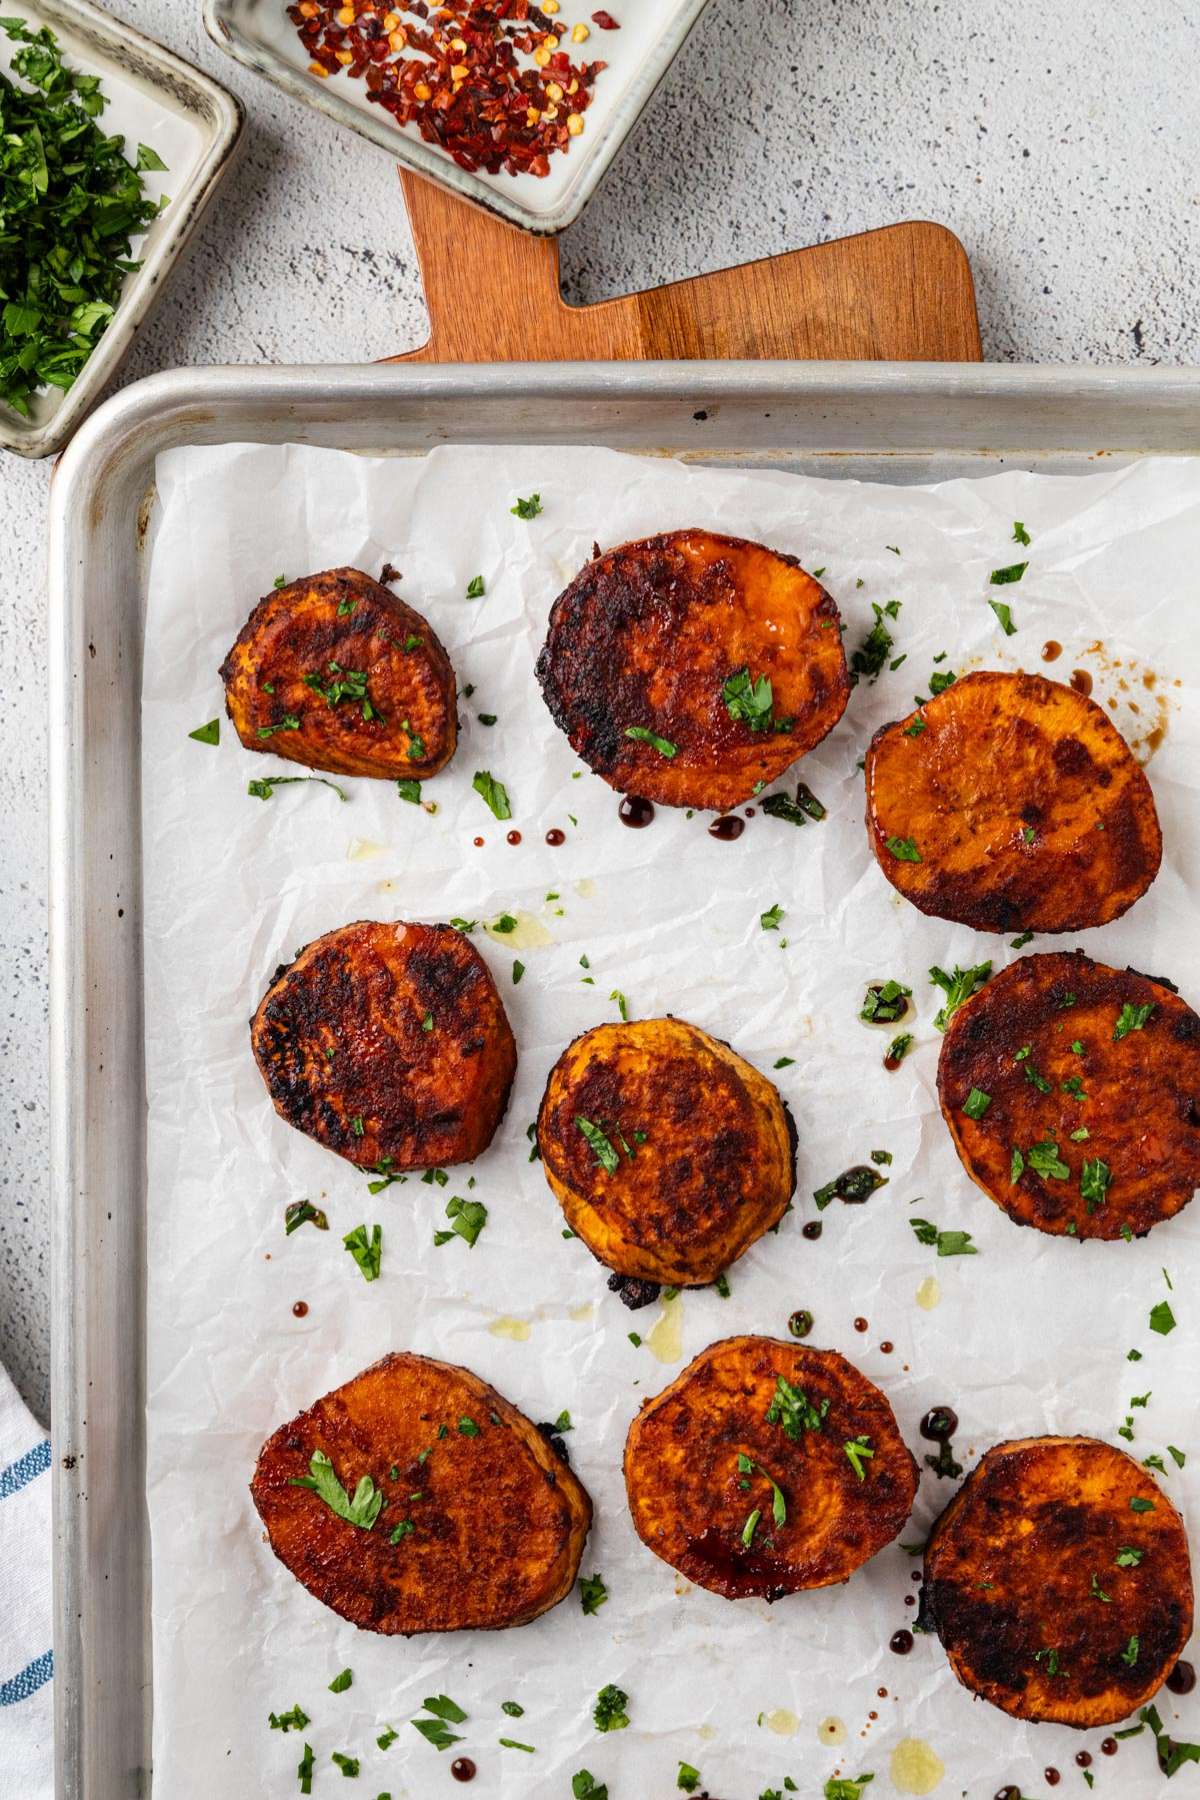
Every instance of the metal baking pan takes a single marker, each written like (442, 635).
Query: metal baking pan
(893, 422)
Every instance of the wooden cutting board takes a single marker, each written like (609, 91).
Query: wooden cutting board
(901, 294)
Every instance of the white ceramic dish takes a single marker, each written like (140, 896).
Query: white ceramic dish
(260, 34)
(153, 98)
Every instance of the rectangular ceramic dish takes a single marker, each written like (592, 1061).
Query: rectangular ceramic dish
(154, 98)
(260, 34)
(898, 423)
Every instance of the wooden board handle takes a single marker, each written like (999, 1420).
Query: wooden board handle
(903, 293)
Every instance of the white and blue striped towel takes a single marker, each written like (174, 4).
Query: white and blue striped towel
(26, 1659)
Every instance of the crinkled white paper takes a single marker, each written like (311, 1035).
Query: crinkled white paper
(1028, 1336)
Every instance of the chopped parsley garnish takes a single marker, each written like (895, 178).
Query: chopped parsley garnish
(1131, 1018)
(949, 1243)
(876, 647)
(592, 1593)
(1138, 1505)
(1094, 1178)
(263, 786)
(518, 969)
(1002, 577)
(642, 735)
(772, 919)
(493, 793)
(751, 1526)
(939, 681)
(341, 1682)
(842, 1787)
(527, 509)
(289, 722)
(71, 202)
(362, 1510)
(1172, 1754)
(304, 1770)
(1127, 1557)
(513, 1708)
(347, 684)
(858, 1450)
(783, 1062)
(366, 1251)
(207, 734)
(1019, 942)
(512, 1744)
(1035, 1080)
(885, 1002)
(436, 1731)
(609, 1713)
(387, 1737)
(1003, 613)
(606, 1157)
(1074, 1086)
(899, 1047)
(475, 588)
(403, 1529)
(1162, 1319)
(295, 1720)
(1020, 535)
(688, 1778)
(303, 1212)
(347, 1764)
(468, 1428)
(409, 790)
(622, 1002)
(467, 1220)
(976, 1103)
(957, 988)
(799, 811)
(793, 1411)
(1053, 1666)
(505, 924)
(584, 1786)
(749, 701)
(1097, 1592)
(1044, 1159)
(1129, 1654)
(917, 727)
(904, 849)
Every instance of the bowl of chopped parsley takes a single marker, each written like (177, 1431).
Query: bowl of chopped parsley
(110, 147)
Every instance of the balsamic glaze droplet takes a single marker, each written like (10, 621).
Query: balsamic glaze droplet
(1182, 1678)
(462, 1769)
(861, 1324)
(555, 837)
(901, 1641)
(728, 828)
(1051, 650)
(1109, 1746)
(635, 812)
(1051, 1777)
(940, 1423)
(812, 1230)
(1081, 681)
(514, 837)
(800, 1323)
(1083, 1758)
(300, 1309)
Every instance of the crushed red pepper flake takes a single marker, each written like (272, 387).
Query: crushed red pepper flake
(454, 72)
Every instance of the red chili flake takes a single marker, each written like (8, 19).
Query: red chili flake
(456, 75)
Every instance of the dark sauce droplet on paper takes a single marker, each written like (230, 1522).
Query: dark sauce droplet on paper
(478, 843)
(1051, 1777)
(728, 828)
(301, 1309)
(555, 837)
(514, 837)
(1109, 1746)
(901, 1642)
(812, 1230)
(940, 1423)
(1051, 650)
(1081, 681)
(861, 1324)
(1182, 1678)
(462, 1769)
(800, 1323)
(635, 812)
(886, 1347)
(1083, 1758)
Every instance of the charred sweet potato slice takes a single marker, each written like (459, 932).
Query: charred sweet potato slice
(1011, 803)
(766, 1468)
(723, 658)
(1072, 1093)
(668, 1154)
(1059, 1582)
(462, 1516)
(335, 672)
(389, 1044)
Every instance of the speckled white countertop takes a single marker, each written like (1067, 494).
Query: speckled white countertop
(1056, 138)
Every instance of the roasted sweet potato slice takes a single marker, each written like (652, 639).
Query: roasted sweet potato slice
(1059, 1582)
(722, 659)
(335, 672)
(461, 1515)
(1072, 1093)
(1011, 803)
(389, 1044)
(767, 1467)
(668, 1154)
